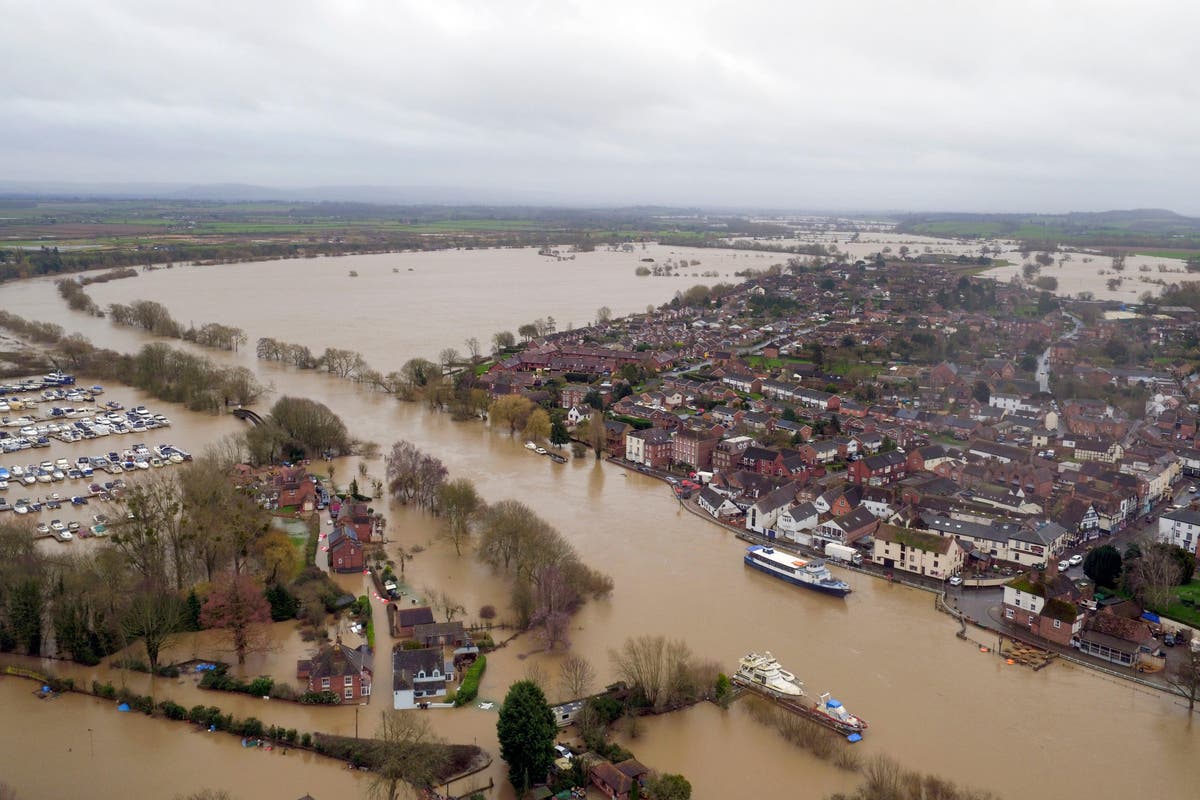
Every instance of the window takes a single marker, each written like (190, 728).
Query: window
(324, 683)
(348, 681)
(349, 694)
(366, 690)
(1008, 613)
(1057, 623)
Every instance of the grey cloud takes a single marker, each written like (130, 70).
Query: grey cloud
(859, 104)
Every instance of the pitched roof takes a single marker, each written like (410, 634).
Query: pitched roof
(783, 496)
(336, 660)
(610, 776)
(408, 664)
(633, 768)
(410, 617)
(858, 518)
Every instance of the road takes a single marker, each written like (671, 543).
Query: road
(1043, 368)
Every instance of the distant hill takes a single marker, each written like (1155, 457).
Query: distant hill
(1135, 227)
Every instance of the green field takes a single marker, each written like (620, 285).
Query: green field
(1184, 254)
(965, 229)
(1189, 614)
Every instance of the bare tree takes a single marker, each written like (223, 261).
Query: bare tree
(448, 358)
(1153, 575)
(153, 617)
(576, 676)
(413, 476)
(473, 348)
(536, 673)
(603, 315)
(554, 600)
(1184, 676)
(660, 668)
(407, 753)
(460, 505)
(440, 600)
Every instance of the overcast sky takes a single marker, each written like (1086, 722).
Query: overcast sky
(949, 105)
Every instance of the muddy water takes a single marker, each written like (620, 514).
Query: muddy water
(934, 702)
(50, 753)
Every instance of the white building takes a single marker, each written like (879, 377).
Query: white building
(1180, 528)
(418, 676)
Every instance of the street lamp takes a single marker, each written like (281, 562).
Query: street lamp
(356, 708)
(91, 744)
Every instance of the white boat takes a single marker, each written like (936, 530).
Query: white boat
(541, 451)
(764, 670)
(763, 674)
(801, 572)
(530, 446)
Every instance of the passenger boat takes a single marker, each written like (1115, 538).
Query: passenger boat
(763, 674)
(793, 569)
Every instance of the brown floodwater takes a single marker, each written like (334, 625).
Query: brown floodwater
(935, 703)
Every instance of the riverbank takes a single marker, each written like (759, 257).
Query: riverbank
(883, 649)
(992, 622)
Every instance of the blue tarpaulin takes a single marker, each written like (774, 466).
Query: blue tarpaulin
(1150, 616)
(123, 707)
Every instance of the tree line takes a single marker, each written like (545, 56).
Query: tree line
(162, 371)
(153, 317)
(188, 551)
(548, 579)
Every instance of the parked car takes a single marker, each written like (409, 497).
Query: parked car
(955, 580)
(563, 752)
(1169, 640)
(1063, 566)
(1076, 560)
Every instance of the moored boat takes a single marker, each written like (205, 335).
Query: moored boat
(764, 675)
(763, 670)
(793, 569)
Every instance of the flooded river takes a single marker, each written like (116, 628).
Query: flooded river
(935, 703)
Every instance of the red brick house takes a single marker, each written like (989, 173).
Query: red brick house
(611, 781)
(572, 395)
(635, 770)
(651, 447)
(339, 669)
(294, 487)
(614, 437)
(407, 619)
(1046, 603)
(359, 517)
(694, 447)
(345, 550)
(878, 470)
(727, 454)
